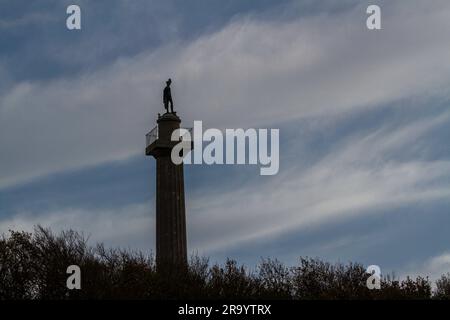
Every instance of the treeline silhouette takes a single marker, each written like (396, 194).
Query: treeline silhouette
(33, 266)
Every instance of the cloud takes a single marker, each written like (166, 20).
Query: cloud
(257, 71)
(129, 226)
(364, 174)
(26, 20)
(437, 266)
(253, 72)
(433, 267)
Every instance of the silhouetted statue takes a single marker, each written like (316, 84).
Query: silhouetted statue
(167, 97)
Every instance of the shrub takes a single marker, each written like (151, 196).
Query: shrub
(33, 266)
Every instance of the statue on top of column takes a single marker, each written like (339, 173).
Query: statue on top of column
(167, 97)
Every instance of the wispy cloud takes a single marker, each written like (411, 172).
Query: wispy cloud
(360, 175)
(433, 267)
(275, 70)
(27, 20)
(267, 72)
(126, 227)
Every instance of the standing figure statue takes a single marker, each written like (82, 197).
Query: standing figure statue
(167, 97)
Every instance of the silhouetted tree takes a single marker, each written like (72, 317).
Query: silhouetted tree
(33, 266)
(275, 280)
(442, 290)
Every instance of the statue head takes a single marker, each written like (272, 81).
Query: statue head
(168, 82)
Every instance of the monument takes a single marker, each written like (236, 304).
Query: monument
(171, 247)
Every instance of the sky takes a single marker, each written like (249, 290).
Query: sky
(363, 117)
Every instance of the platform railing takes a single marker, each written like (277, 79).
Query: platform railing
(151, 137)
